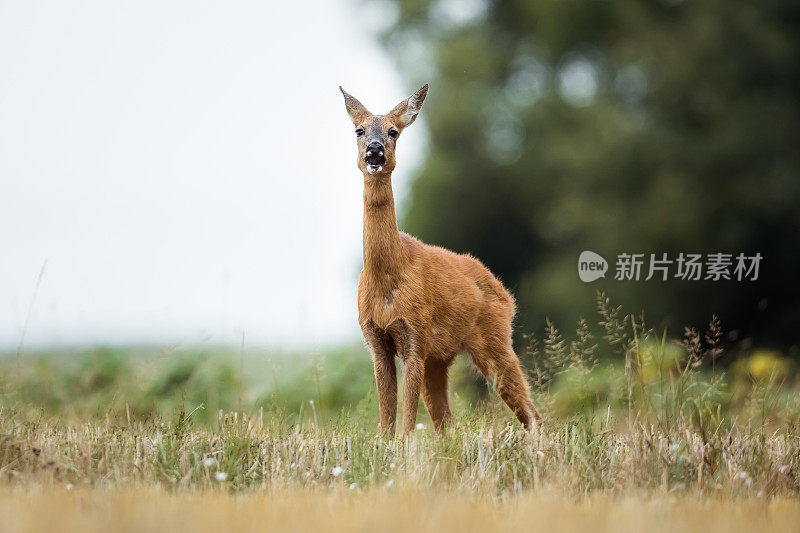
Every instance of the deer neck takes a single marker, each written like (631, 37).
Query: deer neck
(384, 253)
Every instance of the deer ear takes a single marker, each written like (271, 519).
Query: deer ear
(406, 111)
(355, 109)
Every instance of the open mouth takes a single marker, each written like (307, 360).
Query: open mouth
(375, 161)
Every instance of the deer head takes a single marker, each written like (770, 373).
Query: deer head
(377, 135)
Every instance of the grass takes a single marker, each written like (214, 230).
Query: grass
(641, 427)
(481, 454)
(386, 510)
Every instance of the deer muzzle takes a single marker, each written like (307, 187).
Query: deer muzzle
(375, 157)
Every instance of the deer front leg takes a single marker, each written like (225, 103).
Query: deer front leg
(407, 343)
(383, 352)
(386, 380)
(413, 369)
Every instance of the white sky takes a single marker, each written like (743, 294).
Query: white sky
(186, 169)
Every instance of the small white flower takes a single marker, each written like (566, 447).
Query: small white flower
(760, 494)
(540, 453)
(390, 483)
(69, 486)
(221, 476)
(208, 462)
(353, 486)
(420, 425)
(674, 447)
(743, 475)
(784, 469)
(391, 465)
(337, 471)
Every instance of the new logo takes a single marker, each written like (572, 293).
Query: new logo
(591, 266)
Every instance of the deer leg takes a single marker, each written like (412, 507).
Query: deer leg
(501, 368)
(413, 370)
(383, 352)
(434, 392)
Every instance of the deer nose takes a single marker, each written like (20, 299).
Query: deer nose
(375, 148)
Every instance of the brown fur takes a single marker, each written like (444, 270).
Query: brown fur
(423, 303)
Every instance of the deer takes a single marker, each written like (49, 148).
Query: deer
(422, 303)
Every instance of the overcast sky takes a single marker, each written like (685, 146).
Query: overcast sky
(186, 170)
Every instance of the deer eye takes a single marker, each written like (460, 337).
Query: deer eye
(393, 133)
(359, 132)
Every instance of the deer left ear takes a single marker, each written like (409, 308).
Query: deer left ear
(406, 111)
(355, 109)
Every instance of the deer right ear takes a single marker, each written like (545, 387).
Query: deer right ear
(355, 109)
(406, 111)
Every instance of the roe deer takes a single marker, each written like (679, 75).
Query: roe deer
(423, 303)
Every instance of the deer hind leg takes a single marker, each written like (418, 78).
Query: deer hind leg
(500, 366)
(434, 392)
(383, 351)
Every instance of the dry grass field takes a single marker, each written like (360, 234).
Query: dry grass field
(666, 441)
(339, 510)
(258, 474)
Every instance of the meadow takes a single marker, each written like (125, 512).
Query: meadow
(642, 428)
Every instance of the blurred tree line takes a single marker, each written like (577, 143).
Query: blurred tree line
(632, 126)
